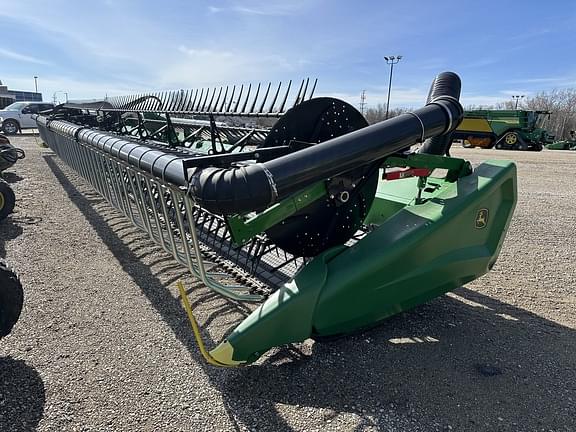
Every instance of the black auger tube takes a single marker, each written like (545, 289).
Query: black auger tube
(255, 187)
(445, 84)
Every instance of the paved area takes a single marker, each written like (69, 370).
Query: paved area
(104, 345)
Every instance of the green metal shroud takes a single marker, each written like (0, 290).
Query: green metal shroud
(415, 253)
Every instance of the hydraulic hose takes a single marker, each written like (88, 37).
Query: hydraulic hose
(257, 186)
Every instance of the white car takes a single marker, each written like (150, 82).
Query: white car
(18, 116)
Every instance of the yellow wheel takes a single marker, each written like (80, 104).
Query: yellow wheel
(511, 138)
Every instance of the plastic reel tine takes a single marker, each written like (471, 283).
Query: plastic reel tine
(205, 100)
(159, 102)
(313, 89)
(255, 99)
(183, 99)
(177, 97)
(198, 102)
(281, 108)
(146, 103)
(186, 101)
(164, 100)
(169, 101)
(296, 101)
(247, 97)
(209, 107)
(193, 103)
(221, 109)
(265, 97)
(304, 92)
(231, 99)
(180, 100)
(155, 102)
(239, 97)
(214, 108)
(271, 108)
(139, 101)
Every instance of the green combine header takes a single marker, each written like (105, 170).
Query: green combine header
(568, 144)
(332, 224)
(504, 129)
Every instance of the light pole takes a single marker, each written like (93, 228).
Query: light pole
(517, 97)
(391, 60)
(36, 84)
(59, 91)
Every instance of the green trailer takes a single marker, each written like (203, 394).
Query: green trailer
(504, 129)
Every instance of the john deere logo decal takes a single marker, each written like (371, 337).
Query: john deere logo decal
(482, 218)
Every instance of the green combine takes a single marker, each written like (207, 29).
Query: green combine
(504, 129)
(332, 224)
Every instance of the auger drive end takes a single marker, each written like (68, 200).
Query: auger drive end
(335, 224)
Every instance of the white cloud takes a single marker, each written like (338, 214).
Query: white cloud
(21, 57)
(200, 67)
(264, 8)
(76, 89)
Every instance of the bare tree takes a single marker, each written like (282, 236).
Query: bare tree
(562, 104)
(378, 113)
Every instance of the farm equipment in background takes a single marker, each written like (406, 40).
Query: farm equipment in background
(569, 144)
(333, 224)
(11, 293)
(11, 298)
(504, 129)
(9, 155)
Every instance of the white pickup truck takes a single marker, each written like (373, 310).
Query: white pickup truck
(18, 116)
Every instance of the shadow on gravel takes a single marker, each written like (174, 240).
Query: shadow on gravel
(9, 230)
(464, 361)
(11, 177)
(22, 396)
(470, 362)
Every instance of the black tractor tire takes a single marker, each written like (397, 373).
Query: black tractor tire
(11, 298)
(10, 127)
(7, 200)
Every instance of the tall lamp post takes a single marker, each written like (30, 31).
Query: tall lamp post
(517, 97)
(36, 84)
(391, 60)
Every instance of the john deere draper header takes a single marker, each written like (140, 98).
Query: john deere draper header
(333, 224)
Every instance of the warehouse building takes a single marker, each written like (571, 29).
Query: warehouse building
(10, 96)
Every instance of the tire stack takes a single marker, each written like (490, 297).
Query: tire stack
(11, 293)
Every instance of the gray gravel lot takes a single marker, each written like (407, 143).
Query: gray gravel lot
(104, 345)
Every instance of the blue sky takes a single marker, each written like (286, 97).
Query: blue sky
(98, 47)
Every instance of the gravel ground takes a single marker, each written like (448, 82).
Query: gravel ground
(103, 343)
